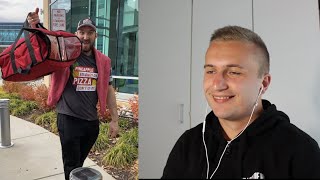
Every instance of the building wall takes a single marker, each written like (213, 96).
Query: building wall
(46, 15)
(8, 32)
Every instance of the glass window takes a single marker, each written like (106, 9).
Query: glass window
(100, 9)
(127, 49)
(117, 22)
(126, 85)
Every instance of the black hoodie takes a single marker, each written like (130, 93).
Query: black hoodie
(270, 147)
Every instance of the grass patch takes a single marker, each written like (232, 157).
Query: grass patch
(125, 152)
(121, 155)
(21, 108)
(48, 120)
(130, 137)
(124, 123)
(4, 95)
(102, 141)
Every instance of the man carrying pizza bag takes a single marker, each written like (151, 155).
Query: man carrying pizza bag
(76, 91)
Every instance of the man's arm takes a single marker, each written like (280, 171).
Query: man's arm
(112, 106)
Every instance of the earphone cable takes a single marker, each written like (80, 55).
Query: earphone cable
(254, 107)
(207, 158)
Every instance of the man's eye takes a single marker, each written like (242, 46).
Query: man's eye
(209, 72)
(234, 73)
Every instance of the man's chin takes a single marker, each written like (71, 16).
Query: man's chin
(86, 49)
(222, 113)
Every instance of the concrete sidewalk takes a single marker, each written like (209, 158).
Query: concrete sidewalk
(35, 155)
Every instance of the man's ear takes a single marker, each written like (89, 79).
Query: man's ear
(266, 82)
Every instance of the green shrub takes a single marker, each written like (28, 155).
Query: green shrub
(4, 95)
(54, 126)
(17, 106)
(124, 123)
(130, 137)
(14, 103)
(47, 119)
(14, 96)
(125, 152)
(121, 155)
(31, 105)
(102, 141)
(14, 99)
(20, 108)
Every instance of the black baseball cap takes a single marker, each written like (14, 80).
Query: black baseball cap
(87, 22)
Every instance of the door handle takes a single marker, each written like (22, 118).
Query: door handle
(181, 111)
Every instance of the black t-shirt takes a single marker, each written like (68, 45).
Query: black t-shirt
(79, 98)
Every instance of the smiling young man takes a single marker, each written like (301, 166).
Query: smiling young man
(243, 136)
(76, 91)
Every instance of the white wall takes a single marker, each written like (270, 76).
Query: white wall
(291, 30)
(209, 15)
(173, 38)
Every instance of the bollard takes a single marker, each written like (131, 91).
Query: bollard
(85, 173)
(5, 124)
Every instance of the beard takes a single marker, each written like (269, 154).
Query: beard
(87, 47)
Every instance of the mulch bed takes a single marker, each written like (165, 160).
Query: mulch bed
(117, 173)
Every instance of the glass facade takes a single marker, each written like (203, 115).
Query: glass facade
(8, 33)
(117, 28)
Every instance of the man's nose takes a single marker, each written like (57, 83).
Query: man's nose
(85, 36)
(219, 82)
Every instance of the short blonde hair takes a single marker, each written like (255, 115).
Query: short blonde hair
(237, 33)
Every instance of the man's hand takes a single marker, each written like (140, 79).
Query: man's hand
(33, 18)
(114, 129)
(112, 105)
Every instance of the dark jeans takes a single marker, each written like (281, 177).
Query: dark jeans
(77, 136)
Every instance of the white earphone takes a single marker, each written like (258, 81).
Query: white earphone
(260, 92)
(203, 131)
